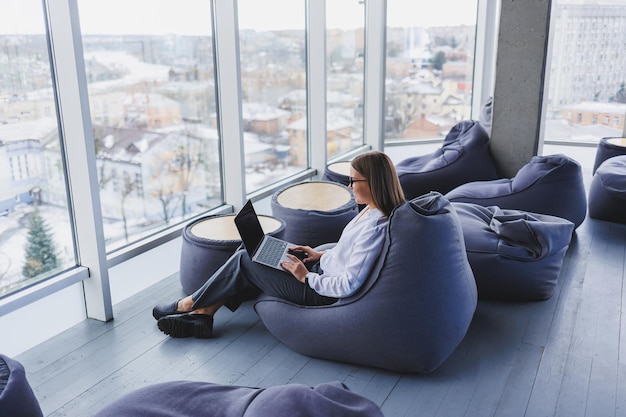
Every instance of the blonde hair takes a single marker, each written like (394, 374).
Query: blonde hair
(380, 173)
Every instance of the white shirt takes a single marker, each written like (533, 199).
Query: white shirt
(346, 266)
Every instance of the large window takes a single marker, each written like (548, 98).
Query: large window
(273, 81)
(429, 68)
(35, 232)
(345, 45)
(587, 71)
(150, 106)
(151, 81)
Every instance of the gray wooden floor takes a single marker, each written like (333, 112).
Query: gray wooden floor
(562, 357)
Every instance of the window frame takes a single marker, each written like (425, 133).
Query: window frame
(74, 118)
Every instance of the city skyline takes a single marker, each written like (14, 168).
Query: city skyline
(17, 17)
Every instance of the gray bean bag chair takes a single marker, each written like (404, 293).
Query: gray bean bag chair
(202, 399)
(606, 150)
(607, 192)
(412, 311)
(16, 396)
(486, 114)
(463, 157)
(515, 255)
(550, 185)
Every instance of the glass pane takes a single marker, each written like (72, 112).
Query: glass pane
(150, 74)
(429, 70)
(345, 44)
(587, 91)
(273, 80)
(35, 232)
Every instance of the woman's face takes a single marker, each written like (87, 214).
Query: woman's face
(360, 187)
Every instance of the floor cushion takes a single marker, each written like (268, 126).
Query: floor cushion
(551, 184)
(607, 192)
(515, 255)
(486, 114)
(199, 399)
(608, 148)
(463, 157)
(16, 395)
(338, 172)
(209, 241)
(314, 212)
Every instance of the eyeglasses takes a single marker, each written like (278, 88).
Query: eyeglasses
(351, 181)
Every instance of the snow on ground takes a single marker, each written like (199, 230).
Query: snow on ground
(13, 239)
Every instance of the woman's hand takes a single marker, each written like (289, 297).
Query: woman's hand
(296, 267)
(311, 254)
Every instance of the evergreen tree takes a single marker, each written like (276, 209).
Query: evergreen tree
(438, 60)
(620, 97)
(40, 254)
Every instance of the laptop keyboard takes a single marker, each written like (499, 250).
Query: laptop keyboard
(272, 251)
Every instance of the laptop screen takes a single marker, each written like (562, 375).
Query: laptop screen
(249, 228)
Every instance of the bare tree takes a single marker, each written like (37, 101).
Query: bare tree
(128, 187)
(166, 199)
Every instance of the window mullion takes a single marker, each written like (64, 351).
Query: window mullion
(485, 54)
(77, 138)
(375, 26)
(229, 101)
(316, 84)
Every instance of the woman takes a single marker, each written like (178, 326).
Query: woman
(336, 273)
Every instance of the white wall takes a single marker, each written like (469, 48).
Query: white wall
(33, 324)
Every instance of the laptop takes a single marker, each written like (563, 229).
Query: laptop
(262, 248)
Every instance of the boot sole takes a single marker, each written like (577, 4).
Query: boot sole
(179, 328)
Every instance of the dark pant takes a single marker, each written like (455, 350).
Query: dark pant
(240, 279)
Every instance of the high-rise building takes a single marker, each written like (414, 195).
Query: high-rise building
(588, 53)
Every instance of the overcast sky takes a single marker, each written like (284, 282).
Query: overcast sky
(173, 16)
(192, 17)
